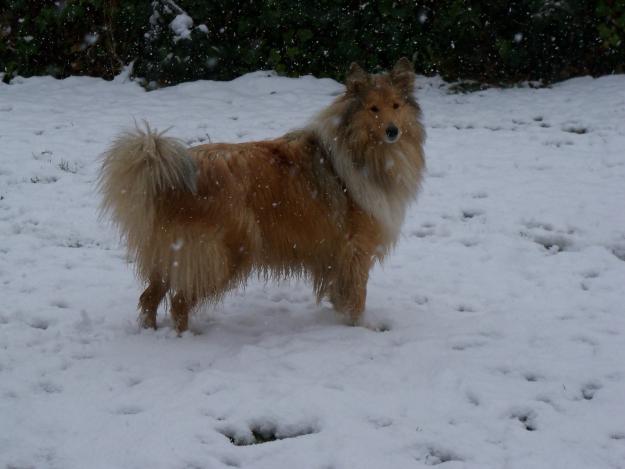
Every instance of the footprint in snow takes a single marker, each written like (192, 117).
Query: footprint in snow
(544, 234)
(465, 308)
(128, 410)
(472, 398)
(264, 432)
(549, 401)
(216, 388)
(558, 143)
(590, 274)
(531, 377)
(468, 344)
(469, 214)
(43, 155)
(589, 390)
(422, 233)
(83, 355)
(133, 381)
(230, 462)
(527, 417)
(379, 422)
(59, 303)
(575, 129)
(44, 179)
(586, 340)
(433, 455)
(619, 251)
(39, 323)
(49, 387)
(420, 299)
(194, 465)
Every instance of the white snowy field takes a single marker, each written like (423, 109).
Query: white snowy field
(494, 336)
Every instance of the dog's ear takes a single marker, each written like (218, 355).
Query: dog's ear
(356, 78)
(403, 76)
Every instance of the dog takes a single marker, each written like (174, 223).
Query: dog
(323, 202)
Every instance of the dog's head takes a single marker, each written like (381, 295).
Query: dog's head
(382, 106)
(374, 138)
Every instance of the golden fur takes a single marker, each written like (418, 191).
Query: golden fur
(324, 202)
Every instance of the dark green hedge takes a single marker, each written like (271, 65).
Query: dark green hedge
(499, 41)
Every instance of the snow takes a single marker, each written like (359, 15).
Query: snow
(91, 39)
(494, 335)
(181, 25)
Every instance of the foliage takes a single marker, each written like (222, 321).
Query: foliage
(169, 42)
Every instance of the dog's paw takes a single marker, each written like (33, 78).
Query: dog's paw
(147, 320)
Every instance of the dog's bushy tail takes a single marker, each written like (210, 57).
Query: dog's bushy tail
(137, 170)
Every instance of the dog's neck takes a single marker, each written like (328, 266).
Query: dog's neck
(386, 205)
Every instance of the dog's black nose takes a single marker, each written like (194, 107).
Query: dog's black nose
(392, 131)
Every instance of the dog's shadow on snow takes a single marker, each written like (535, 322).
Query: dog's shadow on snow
(250, 324)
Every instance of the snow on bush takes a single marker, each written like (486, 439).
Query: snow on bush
(181, 26)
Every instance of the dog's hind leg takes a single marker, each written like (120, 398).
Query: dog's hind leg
(149, 301)
(180, 308)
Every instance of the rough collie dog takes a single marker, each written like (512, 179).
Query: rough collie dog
(324, 202)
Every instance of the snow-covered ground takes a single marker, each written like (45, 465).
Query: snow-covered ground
(496, 331)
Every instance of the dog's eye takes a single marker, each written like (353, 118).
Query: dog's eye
(374, 109)
(395, 105)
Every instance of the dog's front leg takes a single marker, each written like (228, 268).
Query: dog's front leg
(349, 290)
(352, 261)
(181, 306)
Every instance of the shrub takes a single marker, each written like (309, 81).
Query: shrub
(500, 41)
